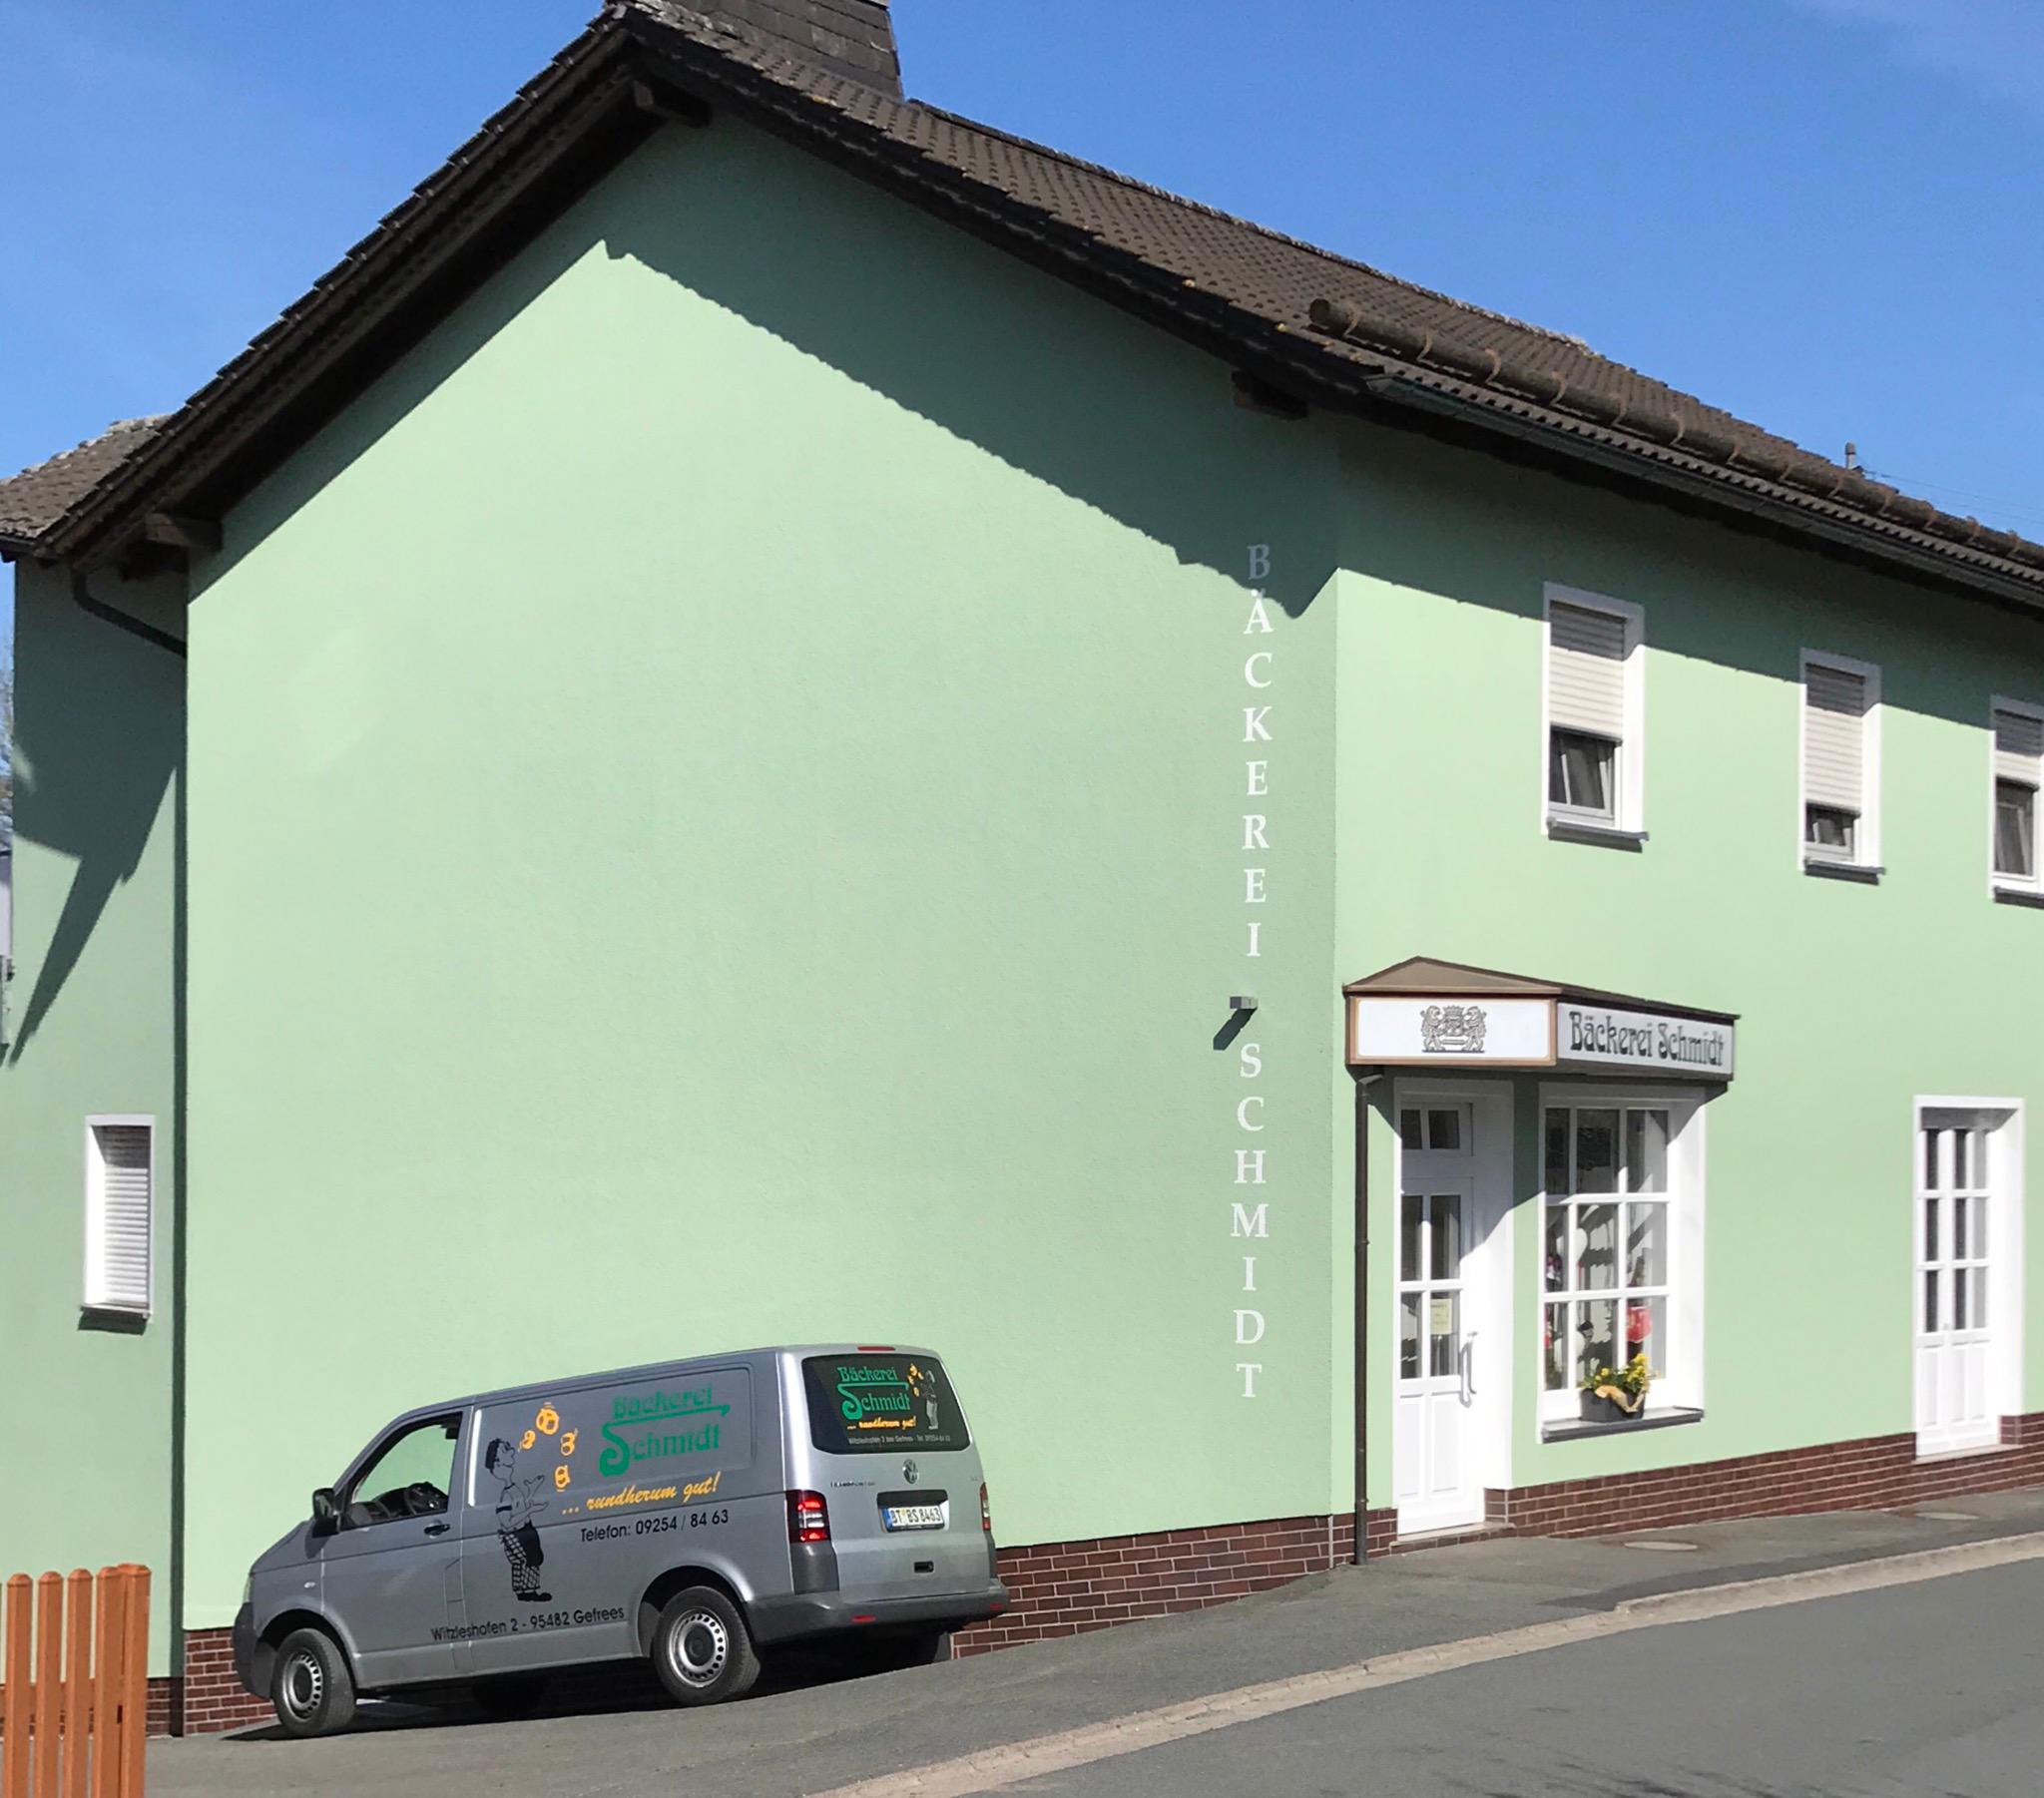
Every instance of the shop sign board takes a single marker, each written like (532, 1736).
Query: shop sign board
(1647, 1042)
(1461, 1029)
(1421, 1030)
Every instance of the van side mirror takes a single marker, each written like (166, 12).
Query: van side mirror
(325, 1512)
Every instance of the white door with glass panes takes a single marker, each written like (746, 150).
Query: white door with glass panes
(1436, 1414)
(1617, 1178)
(1958, 1305)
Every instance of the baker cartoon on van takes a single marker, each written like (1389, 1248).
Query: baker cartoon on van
(517, 1503)
(698, 1514)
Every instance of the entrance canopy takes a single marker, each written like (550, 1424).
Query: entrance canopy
(1428, 1014)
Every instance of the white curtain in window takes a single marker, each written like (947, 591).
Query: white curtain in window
(1586, 669)
(2018, 746)
(1833, 737)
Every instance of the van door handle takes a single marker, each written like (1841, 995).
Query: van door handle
(436, 1529)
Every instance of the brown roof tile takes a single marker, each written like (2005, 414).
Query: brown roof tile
(37, 498)
(1338, 330)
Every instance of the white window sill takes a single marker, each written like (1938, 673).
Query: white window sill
(1658, 1416)
(1591, 830)
(2008, 892)
(1866, 873)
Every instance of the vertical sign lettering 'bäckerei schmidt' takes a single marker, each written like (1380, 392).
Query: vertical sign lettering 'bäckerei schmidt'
(1250, 1224)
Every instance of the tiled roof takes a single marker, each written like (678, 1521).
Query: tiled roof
(39, 497)
(1320, 326)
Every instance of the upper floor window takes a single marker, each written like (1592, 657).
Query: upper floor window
(2018, 772)
(1841, 822)
(1593, 692)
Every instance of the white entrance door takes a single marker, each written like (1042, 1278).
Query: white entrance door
(1436, 1448)
(1956, 1304)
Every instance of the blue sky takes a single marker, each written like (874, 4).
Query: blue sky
(1820, 213)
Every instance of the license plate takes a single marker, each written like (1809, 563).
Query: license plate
(913, 1516)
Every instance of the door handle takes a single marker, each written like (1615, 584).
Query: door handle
(436, 1529)
(1469, 1368)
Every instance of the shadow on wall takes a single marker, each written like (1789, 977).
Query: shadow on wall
(99, 738)
(1052, 382)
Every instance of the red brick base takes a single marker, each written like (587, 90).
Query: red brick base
(213, 1698)
(1876, 1473)
(1066, 1588)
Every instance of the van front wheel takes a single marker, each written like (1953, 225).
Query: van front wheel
(313, 1688)
(702, 1649)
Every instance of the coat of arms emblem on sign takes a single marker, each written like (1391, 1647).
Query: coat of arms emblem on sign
(1451, 1030)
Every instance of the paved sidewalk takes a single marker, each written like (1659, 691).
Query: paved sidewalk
(804, 1739)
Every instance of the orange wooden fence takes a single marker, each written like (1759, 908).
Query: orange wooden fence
(75, 1707)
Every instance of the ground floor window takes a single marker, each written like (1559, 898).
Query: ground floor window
(1611, 1219)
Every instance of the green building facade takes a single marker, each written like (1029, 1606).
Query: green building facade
(775, 766)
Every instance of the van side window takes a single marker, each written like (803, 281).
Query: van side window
(409, 1475)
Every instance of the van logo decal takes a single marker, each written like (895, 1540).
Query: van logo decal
(621, 1452)
(908, 1472)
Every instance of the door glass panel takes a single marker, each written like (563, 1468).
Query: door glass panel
(1961, 1141)
(1977, 1280)
(1444, 1129)
(1596, 1151)
(1408, 1130)
(1596, 1246)
(1930, 1314)
(1646, 1244)
(1960, 1290)
(1443, 1331)
(1976, 1228)
(1962, 1217)
(1409, 1237)
(1930, 1229)
(1557, 1249)
(1646, 1152)
(1447, 1236)
(1558, 1155)
(1554, 1346)
(1408, 1335)
(1597, 1336)
(1930, 1156)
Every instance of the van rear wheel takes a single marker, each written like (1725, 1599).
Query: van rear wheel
(313, 1688)
(702, 1649)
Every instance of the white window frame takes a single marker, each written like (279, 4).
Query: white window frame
(1627, 824)
(1998, 882)
(1683, 1387)
(92, 1298)
(2004, 1123)
(1866, 858)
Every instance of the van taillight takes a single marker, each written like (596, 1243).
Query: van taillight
(986, 1516)
(808, 1518)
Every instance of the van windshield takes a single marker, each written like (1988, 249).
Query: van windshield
(862, 1404)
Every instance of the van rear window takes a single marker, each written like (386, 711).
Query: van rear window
(869, 1404)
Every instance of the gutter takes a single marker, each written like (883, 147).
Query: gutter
(1865, 541)
(81, 591)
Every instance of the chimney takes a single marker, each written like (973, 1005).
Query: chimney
(853, 39)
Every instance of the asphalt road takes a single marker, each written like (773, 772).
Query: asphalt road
(1655, 1703)
(1929, 1689)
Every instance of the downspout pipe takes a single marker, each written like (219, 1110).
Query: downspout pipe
(81, 591)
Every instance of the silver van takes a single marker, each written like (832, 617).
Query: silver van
(698, 1514)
